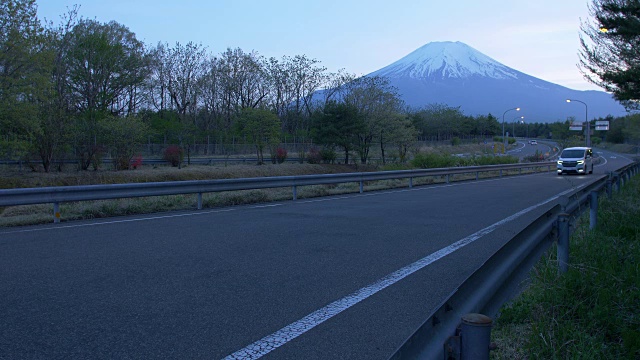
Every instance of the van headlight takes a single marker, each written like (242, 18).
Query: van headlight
(559, 162)
(580, 161)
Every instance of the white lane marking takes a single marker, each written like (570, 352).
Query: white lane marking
(206, 212)
(603, 158)
(271, 342)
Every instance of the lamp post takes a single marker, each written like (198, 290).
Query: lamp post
(514, 125)
(586, 119)
(504, 140)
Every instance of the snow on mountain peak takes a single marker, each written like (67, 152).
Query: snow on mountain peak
(446, 60)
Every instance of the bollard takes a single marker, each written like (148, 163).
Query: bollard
(563, 243)
(593, 212)
(295, 192)
(56, 212)
(475, 337)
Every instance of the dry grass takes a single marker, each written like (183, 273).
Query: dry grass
(12, 177)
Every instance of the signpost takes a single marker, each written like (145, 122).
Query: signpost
(602, 125)
(576, 126)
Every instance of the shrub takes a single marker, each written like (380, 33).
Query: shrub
(314, 156)
(430, 160)
(281, 155)
(456, 141)
(538, 156)
(328, 156)
(174, 155)
(136, 161)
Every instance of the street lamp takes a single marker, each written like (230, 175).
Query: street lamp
(514, 125)
(504, 140)
(586, 119)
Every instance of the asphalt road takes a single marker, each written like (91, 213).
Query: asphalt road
(312, 279)
(523, 149)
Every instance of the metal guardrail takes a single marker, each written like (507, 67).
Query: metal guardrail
(57, 195)
(495, 282)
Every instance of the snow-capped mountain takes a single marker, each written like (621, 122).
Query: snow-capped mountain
(442, 60)
(456, 74)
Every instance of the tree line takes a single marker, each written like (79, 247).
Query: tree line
(86, 89)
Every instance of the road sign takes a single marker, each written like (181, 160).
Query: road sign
(602, 125)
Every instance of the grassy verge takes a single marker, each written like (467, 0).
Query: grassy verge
(592, 311)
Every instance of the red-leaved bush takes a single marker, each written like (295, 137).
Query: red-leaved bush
(174, 155)
(281, 155)
(314, 156)
(136, 161)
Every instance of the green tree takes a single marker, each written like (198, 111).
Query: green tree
(486, 126)
(106, 64)
(376, 103)
(23, 71)
(123, 136)
(439, 122)
(610, 49)
(632, 129)
(262, 127)
(338, 124)
(56, 110)
(399, 132)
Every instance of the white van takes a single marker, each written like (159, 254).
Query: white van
(577, 160)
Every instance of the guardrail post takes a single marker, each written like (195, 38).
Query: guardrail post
(56, 212)
(520, 171)
(617, 179)
(477, 175)
(448, 178)
(199, 201)
(500, 172)
(608, 186)
(361, 186)
(593, 212)
(563, 243)
(295, 192)
(475, 337)
(410, 183)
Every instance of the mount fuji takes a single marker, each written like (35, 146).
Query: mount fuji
(457, 75)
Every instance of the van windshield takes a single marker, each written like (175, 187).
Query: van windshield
(571, 154)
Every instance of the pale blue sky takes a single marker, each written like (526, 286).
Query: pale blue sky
(540, 38)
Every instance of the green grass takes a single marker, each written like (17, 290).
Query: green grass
(592, 311)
